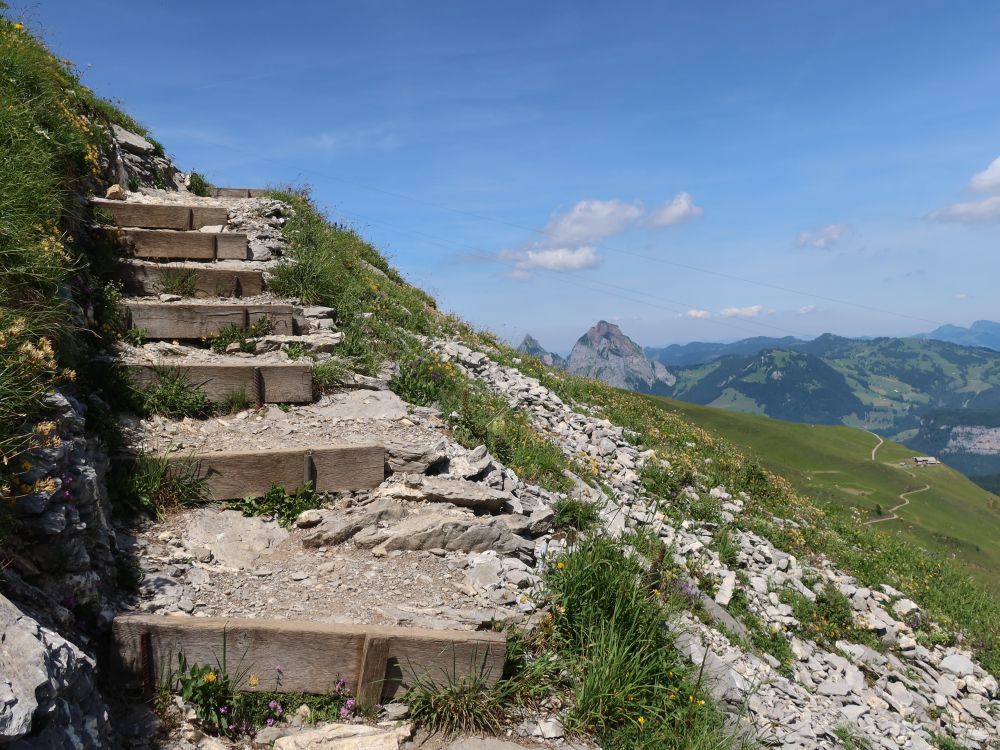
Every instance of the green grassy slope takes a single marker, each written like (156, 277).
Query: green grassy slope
(833, 464)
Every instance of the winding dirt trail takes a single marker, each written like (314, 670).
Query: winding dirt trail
(877, 445)
(892, 511)
(905, 496)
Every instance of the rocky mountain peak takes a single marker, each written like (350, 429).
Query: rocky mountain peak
(608, 336)
(531, 346)
(606, 353)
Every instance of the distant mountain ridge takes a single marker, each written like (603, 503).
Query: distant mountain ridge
(937, 396)
(981, 333)
(530, 345)
(697, 352)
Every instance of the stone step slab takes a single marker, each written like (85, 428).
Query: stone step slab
(170, 244)
(208, 280)
(181, 320)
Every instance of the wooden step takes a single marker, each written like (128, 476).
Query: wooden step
(183, 320)
(228, 192)
(168, 244)
(377, 662)
(148, 279)
(232, 475)
(275, 383)
(162, 215)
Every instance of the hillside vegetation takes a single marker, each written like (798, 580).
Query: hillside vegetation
(53, 305)
(833, 465)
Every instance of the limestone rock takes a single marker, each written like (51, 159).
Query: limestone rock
(346, 737)
(958, 665)
(132, 142)
(234, 540)
(409, 458)
(115, 193)
(439, 490)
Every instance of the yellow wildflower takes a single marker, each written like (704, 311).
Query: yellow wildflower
(642, 722)
(560, 565)
(18, 25)
(211, 677)
(253, 680)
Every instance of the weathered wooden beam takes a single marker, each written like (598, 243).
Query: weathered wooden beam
(147, 215)
(162, 215)
(282, 383)
(232, 475)
(165, 244)
(180, 320)
(143, 279)
(378, 663)
(229, 192)
(168, 244)
(208, 216)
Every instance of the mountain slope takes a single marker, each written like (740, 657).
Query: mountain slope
(833, 464)
(778, 383)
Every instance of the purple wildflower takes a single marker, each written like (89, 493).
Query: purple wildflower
(344, 712)
(223, 710)
(272, 704)
(350, 703)
(270, 721)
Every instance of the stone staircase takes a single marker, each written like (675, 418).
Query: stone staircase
(188, 279)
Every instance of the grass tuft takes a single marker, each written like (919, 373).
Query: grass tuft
(174, 395)
(154, 485)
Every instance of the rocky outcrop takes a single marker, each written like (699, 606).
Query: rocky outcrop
(48, 688)
(135, 162)
(64, 545)
(60, 574)
(531, 347)
(607, 354)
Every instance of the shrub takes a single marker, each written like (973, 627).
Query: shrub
(198, 185)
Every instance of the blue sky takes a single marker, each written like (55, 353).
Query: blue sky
(708, 170)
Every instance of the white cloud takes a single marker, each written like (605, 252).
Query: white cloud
(806, 309)
(963, 296)
(988, 180)
(750, 311)
(823, 238)
(678, 209)
(549, 259)
(974, 211)
(590, 221)
(699, 314)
